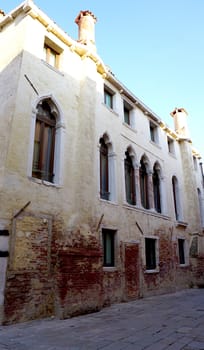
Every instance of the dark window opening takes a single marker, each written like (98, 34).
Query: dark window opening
(156, 190)
(108, 239)
(150, 253)
(144, 185)
(129, 180)
(126, 116)
(127, 112)
(153, 132)
(104, 180)
(170, 143)
(175, 196)
(108, 98)
(181, 246)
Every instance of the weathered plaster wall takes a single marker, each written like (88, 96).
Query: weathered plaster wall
(55, 263)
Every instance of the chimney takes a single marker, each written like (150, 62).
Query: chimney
(180, 122)
(86, 24)
(2, 14)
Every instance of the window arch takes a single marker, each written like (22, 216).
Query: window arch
(176, 198)
(156, 187)
(47, 136)
(129, 178)
(107, 169)
(144, 183)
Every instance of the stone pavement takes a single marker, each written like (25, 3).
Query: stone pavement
(173, 322)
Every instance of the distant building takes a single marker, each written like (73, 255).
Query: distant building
(100, 201)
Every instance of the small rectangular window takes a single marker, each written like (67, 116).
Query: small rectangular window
(153, 132)
(108, 97)
(108, 240)
(127, 110)
(51, 56)
(195, 164)
(150, 253)
(170, 143)
(181, 247)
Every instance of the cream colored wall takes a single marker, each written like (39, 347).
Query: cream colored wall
(122, 216)
(78, 90)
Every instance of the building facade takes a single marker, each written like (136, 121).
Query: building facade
(101, 202)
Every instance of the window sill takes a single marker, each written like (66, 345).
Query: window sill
(152, 271)
(52, 68)
(129, 127)
(151, 212)
(155, 144)
(43, 182)
(110, 109)
(172, 154)
(181, 224)
(109, 269)
(183, 265)
(108, 201)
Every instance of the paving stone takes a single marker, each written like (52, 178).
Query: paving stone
(172, 322)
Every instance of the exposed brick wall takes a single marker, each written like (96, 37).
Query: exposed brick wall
(78, 281)
(132, 271)
(57, 272)
(28, 290)
(28, 296)
(112, 286)
(77, 267)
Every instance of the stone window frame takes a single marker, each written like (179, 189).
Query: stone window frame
(154, 132)
(129, 113)
(171, 145)
(113, 264)
(109, 97)
(111, 159)
(59, 141)
(51, 49)
(184, 252)
(156, 269)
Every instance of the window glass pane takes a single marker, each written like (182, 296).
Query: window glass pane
(108, 99)
(47, 150)
(156, 190)
(36, 152)
(175, 195)
(144, 185)
(52, 58)
(108, 247)
(129, 180)
(104, 170)
(126, 116)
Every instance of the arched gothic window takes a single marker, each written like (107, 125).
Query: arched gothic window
(175, 190)
(44, 143)
(200, 206)
(104, 170)
(129, 180)
(156, 188)
(144, 185)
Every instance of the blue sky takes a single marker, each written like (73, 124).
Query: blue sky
(155, 47)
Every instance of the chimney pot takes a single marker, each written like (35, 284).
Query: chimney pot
(2, 14)
(180, 123)
(86, 25)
